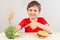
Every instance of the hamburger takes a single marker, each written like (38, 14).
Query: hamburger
(43, 34)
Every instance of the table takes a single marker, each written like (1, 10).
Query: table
(31, 36)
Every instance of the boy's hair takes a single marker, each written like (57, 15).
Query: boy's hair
(34, 3)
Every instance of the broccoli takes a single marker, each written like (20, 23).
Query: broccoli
(10, 32)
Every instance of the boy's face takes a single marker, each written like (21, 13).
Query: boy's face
(33, 12)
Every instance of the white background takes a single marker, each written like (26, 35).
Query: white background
(50, 11)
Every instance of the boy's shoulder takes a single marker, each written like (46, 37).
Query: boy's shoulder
(40, 17)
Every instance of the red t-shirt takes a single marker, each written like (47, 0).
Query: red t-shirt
(26, 21)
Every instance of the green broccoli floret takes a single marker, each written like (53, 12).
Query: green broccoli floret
(10, 32)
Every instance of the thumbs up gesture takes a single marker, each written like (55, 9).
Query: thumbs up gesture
(10, 15)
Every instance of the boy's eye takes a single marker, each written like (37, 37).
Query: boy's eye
(30, 10)
(35, 10)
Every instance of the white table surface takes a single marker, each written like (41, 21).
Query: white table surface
(31, 36)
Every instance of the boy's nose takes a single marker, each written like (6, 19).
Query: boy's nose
(33, 12)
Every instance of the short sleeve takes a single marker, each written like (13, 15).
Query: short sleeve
(43, 21)
(22, 23)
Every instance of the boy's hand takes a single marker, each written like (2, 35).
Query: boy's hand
(33, 23)
(10, 16)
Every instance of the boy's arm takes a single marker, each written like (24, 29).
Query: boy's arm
(10, 16)
(46, 27)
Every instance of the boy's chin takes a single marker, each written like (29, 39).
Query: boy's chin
(33, 17)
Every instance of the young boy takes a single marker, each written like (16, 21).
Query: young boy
(33, 23)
